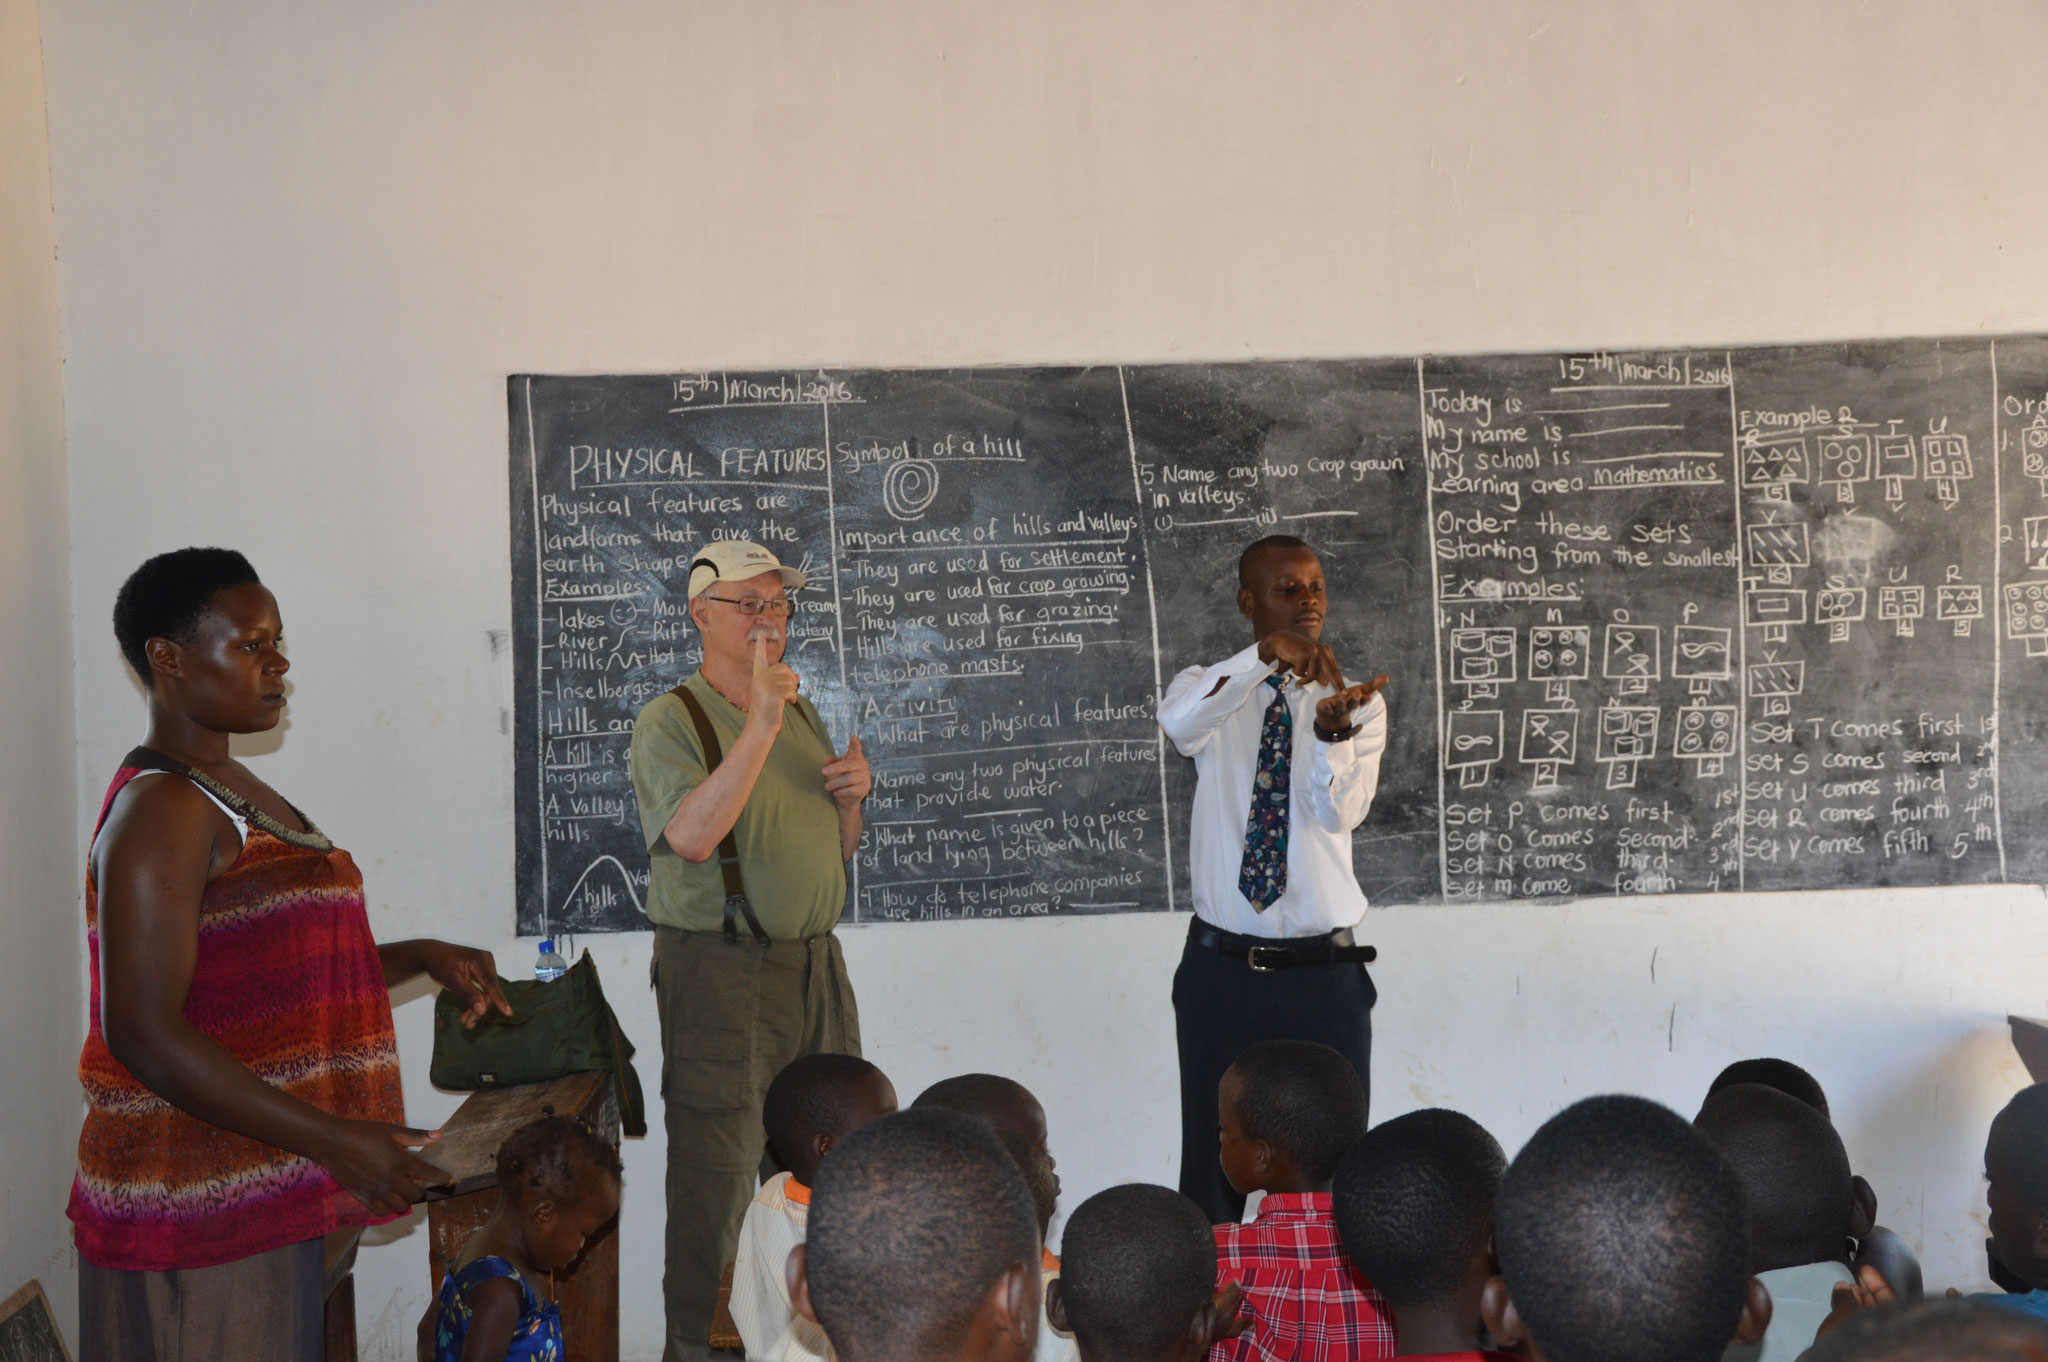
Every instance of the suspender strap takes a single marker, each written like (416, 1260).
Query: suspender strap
(729, 847)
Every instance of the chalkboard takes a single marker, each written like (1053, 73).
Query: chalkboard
(1657, 622)
(28, 1331)
(1330, 453)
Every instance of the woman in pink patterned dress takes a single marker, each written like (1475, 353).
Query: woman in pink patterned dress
(240, 1070)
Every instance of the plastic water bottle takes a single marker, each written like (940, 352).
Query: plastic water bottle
(550, 966)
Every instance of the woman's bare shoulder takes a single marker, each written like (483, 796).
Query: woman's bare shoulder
(158, 810)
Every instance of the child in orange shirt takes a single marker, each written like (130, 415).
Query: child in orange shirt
(816, 1101)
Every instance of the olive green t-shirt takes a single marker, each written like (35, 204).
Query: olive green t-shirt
(788, 833)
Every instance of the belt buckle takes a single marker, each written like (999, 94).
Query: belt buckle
(1251, 957)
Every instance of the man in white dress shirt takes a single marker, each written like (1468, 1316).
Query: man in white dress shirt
(1287, 757)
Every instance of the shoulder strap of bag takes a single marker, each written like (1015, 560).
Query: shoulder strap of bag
(729, 847)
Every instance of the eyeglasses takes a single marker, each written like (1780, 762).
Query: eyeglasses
(756, 605)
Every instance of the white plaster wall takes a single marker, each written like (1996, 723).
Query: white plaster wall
(302, 246)
(42, 1010)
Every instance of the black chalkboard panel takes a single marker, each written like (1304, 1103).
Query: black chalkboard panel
(28, 1331)
(2016, 611)
(979, 613)
(1329, 453)
(1656, 622)
(1586, 590)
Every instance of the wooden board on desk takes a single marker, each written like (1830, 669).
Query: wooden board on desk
(468, 1147)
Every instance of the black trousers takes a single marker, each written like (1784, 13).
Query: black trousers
(1220, 1006)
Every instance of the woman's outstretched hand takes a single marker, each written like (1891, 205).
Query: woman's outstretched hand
(373, 1162)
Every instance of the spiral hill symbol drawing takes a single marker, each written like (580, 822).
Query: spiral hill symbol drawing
(909, 487)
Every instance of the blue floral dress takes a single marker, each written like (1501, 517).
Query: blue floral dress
(536, 1338)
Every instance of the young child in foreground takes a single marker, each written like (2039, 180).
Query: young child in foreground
(1622, 1237)
(1804, 1208)
(558, 1184)
(1286, 1111)
(922, 1247)
(1414, 1204)
(2016, 1174)
(1865, 1314)
(1947, 1330)
(1139, 1279)
(1002, 1104)
(813, 1104)
(1886, 1250)
(1018, 1119)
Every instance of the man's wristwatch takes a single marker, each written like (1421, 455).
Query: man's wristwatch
(1341, 735)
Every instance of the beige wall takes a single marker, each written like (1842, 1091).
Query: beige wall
(302, 246)
(42, 1012)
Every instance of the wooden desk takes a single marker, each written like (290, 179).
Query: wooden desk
(468, 1148)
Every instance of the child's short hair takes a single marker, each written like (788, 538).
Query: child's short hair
(989, 1098)
(1414, 1201)
(167, 595)
(1794, 1170)
(556, 1158)
(1781, 1074)
(1137, 1263)
(813, 1095)
(1037, 1171)
(1951, 1329)
(1303, 1099)
(912, 1219)
(2019, 1141)
(1622, 1235)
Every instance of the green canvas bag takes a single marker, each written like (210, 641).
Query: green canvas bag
(557, 1028)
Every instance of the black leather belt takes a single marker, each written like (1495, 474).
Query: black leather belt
(1265, 953)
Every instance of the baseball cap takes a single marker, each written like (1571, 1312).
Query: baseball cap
(735, 560)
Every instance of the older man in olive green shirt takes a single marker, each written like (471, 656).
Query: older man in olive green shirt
(744, 983)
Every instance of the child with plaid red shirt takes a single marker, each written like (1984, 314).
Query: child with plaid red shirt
(1287, 1110)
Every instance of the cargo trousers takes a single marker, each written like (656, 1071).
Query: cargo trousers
(733, 1013)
